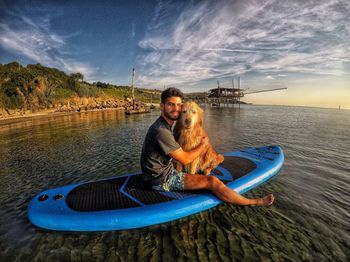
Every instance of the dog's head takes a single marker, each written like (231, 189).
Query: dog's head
(191, 115)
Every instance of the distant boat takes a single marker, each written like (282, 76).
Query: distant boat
(136, 111)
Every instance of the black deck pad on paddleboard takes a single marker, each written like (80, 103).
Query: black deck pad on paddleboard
(131, 191)
(237, 166)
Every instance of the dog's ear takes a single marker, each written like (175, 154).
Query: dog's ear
(179, 123)
(177, 130)
(200, 115)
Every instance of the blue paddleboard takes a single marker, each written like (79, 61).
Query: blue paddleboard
(126, 202)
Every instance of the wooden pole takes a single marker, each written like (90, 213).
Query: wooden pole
(239, 93)
(233, 92)
(132, 89)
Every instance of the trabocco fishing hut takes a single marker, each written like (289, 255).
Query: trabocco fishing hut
(230, 96)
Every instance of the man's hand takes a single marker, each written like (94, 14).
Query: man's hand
(205, 141)
(186, 157)
(204, 144)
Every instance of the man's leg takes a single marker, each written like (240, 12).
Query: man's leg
(223, 192)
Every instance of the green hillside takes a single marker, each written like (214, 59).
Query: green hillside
(36, 87)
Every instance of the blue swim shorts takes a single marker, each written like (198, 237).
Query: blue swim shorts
(174, 182)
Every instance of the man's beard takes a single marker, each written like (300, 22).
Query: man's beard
(168, 115)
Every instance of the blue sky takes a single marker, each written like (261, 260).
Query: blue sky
(302, 45)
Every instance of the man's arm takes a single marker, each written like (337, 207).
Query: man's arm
(186, 157)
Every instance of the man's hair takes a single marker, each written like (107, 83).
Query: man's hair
(169, 92)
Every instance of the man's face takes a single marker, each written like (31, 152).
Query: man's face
(172, 107)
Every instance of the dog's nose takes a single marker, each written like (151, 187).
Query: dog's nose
(187, 121)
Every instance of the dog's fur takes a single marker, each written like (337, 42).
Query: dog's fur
(189, 133)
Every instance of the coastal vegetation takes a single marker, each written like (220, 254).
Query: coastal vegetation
(36, 88)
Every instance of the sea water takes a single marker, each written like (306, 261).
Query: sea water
(310, 219)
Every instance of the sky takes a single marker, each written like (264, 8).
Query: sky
(301, 45)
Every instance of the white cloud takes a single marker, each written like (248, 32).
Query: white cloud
(269, 78)
(34, 39)
(215, 39)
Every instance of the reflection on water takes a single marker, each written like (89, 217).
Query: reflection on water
(309, 221)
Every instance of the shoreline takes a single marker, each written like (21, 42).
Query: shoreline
(48, 113)
(53, 112)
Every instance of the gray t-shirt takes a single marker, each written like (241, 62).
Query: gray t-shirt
(156, 164)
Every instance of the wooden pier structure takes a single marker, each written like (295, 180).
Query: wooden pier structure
(223, 96)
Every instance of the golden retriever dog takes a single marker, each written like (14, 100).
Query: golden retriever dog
(189, 133)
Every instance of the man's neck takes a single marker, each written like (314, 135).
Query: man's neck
(168, 120)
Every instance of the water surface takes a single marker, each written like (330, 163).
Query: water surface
(309, 220)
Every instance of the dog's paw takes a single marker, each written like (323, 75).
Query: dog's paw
(207, 171)
(219, 159)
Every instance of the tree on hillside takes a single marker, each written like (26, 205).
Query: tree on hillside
(77, 76)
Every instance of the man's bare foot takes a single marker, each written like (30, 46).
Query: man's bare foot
(265, 201)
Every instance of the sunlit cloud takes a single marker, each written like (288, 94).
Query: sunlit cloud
(217, 39)
(34, 39)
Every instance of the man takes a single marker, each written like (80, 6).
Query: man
(160, 147)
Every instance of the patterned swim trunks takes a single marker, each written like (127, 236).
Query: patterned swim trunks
(174, 182)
